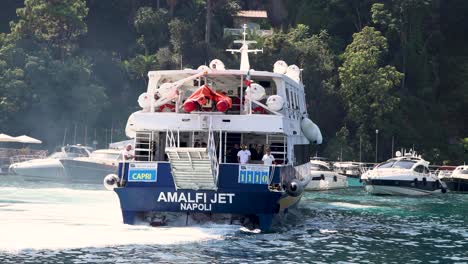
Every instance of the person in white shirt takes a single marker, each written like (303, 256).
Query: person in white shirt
(243, 156)
(268, 159)
(127, 152)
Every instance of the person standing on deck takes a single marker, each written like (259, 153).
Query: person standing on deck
(268, 158)
(243, 156)
(253, 152)
(233, 154)
(128, 153)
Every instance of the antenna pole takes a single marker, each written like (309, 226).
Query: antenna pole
(64, 137)
(85, 135)
(74, 136)
(244, 50)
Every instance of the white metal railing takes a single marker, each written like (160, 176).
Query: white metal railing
(22, 158)
(171, 139)
(212, 154)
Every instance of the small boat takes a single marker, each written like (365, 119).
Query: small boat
(92, 169)
(352, 170)
(184, 134)
(443, 171)
(458, 179)
(49, 168)
(406, 174)
(323, 176)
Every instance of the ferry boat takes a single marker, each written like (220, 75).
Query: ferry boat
(190, 122)
(406, 174)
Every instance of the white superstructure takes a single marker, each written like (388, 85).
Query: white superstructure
(253, 120)
(205, 112)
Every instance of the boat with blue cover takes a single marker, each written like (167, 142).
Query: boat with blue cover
(186, 145)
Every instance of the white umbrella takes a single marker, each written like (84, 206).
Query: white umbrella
(7, 138)
(26, 139)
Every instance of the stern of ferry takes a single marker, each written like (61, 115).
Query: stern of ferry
(253, 193)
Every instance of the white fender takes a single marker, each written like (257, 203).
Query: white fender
(280, 67)
(111, 181)
(217, 65)
(311, 131)
(203, 68)
(258, 92)
(167, 90)
(130, 129)
(144, 102)
(293, 72)
(275, 103)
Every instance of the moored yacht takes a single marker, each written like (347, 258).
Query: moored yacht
(92, 169)
(49, 168)
(324, 177)
(406, 174)
(458, 180)
(189, 122)
(352, 171)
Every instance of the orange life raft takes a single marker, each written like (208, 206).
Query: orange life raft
(201, 97)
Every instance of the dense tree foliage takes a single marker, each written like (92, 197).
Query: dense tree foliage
(366, 86)
(399, 66)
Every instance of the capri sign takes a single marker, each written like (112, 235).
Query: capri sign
(143, 172)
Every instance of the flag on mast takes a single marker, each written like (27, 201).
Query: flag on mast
(247, 81)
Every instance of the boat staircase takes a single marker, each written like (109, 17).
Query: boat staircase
(143, 146)
(193, 168)
(278, 147)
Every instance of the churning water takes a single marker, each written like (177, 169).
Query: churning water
(41, 223)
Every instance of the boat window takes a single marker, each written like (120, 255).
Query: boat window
(464, 172)
(317, 167)
(419, 169)
(105, 156)
(287, 98)
(291, 99)
(426, 170)
(76, 152)
(297, 100)
(387, 164)
(57, 155)
(404, 164)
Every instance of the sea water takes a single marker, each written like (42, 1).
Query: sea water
(47, 223)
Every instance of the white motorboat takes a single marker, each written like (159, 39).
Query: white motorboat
(444, 171)
(406, 174)
(458, 180)
(324, 178)
(49, 168)
(92, 169)
(352, 170)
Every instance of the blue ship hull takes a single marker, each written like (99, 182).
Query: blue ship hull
(251, 195)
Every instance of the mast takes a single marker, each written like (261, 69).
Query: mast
(244, 50)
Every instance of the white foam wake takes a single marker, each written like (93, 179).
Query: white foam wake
(65, 218)
(351, 205)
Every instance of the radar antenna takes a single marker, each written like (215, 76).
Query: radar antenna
(244, 50)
